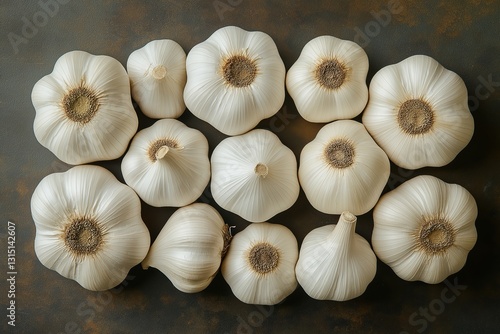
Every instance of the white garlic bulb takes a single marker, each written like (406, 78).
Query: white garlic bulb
(418, 113)
(343, 169)
(235, 79)
(157, 74)
(88, 226)
(424, 229)
(84, 111)
(254, 175)
(335, 263)
(190, 247)
(328, 80)
(167, 164)
(259, 265)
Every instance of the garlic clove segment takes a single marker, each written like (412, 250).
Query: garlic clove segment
(88, 226)
(84, 111)
(418, 113)
(335, 263)
(425, 228)
(157, 73)
(190, 247)
(167, 164)
(343, 169)
(259, 265)
(235, 79)
(254, 175)
(328, 80)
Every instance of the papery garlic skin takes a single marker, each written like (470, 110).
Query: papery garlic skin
(84, 111)
(328, 80)
(88, 227)
(254, 175)
(167, 164)
(190, 247)
(425, 228)
(343, 169)
(235, 79)
(259, 265)
(418, 113)
(335, 263)
(157, 74)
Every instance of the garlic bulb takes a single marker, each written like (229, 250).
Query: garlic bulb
(259, 265)
(418, 113)
(167, 164)
(88, 227)
(254, 175)
(190, 247)
(157, 74)
(84, 112)
(335, 263)
(235, 79)
(328, 80)
(343, 169)
(425, 228)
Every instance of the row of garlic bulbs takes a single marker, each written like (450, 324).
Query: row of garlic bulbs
(233, 80)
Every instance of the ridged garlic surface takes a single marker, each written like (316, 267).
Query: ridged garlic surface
(335, 263)
(425, 228)
(88, 226)
(190, 247)
(254, 175)
(418, 113)
(259, 265)
(167, 164)
(157, 74)
(343, 169)
(235, 79)
(328, 80)
(84, 111)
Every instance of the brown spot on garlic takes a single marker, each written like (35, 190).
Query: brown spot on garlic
(226, 233)
(83, 236)
(339, 153)
(239, 70)
(159, 148)
(80, 104)
(415, 117)
(261, 170)
(330, 74)
(436, 235)
(263, 258)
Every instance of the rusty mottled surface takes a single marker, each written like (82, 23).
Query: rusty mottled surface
(463, 36)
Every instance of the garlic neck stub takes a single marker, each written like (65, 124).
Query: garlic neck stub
(239, 71)
(424, 229)
(159, 148)
(334, 262)
(159, 72)
(260, 264)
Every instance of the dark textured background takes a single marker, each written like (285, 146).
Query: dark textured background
(462, 35)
